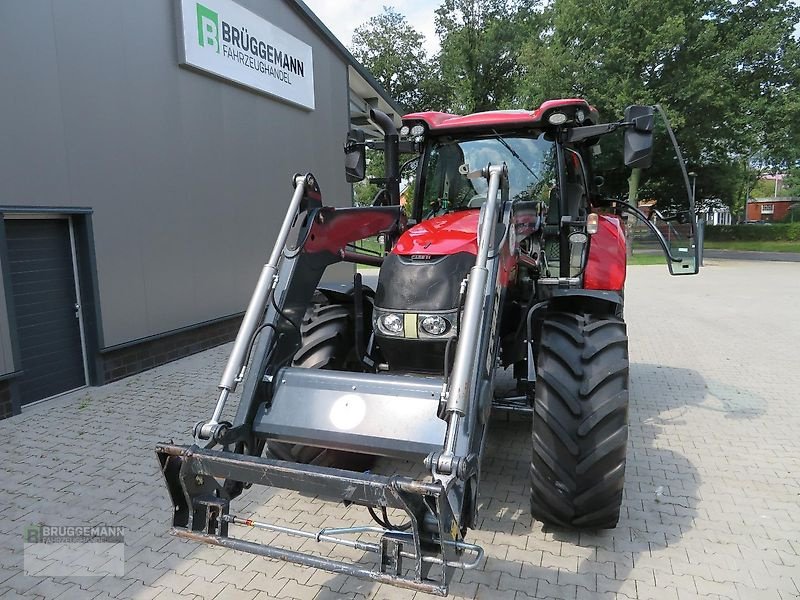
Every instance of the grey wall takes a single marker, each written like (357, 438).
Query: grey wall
(188, 175)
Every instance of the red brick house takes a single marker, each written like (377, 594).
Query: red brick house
(769, 209)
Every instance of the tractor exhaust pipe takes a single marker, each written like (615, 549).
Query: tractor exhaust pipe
(391, 153)
(254, 314)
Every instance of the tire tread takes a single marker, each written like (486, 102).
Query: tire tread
(580, 423)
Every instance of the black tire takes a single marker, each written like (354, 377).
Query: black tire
(327, 343)
(580, 422)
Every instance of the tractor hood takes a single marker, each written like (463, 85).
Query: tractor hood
(450, 233)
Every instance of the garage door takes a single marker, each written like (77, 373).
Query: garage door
(41, 267)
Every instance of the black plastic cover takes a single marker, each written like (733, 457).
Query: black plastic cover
(421, 283)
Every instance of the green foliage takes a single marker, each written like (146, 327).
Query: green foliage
(480, 44)
(726, 71)
(768, 233)
(393, 52)
(364, 192)
(792, 182)
(758, 246)
(793, 216)
(763, 188)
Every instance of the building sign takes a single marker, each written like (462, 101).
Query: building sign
(222, 38)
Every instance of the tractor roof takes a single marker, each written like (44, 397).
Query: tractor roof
(505, 119)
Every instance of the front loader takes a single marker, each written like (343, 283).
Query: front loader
(505, 256)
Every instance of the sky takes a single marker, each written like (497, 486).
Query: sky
(343, 16)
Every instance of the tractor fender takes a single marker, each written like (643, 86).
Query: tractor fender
(607, 260)
(583, 300)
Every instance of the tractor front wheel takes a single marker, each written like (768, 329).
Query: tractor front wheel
(580, 422)
(327, 343)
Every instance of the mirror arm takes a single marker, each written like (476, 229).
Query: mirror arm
(664, 245)
(578, 134)
(680, 162)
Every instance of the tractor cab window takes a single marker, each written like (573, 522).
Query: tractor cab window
(531, 171)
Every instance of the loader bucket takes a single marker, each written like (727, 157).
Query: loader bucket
(422, 557)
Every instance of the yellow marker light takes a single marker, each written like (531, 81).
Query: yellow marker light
(410, 323)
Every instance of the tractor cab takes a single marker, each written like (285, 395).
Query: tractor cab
(569, 228)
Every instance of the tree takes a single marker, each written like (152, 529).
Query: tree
(393, 51)
(480, 42)
(725, 71)
(793, 182)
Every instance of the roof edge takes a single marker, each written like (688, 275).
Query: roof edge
(308, 15)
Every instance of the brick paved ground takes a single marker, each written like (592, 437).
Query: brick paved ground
(712, 497)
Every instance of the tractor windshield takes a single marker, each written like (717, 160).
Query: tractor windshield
(531, 171)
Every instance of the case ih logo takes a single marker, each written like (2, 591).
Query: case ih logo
(240, 46)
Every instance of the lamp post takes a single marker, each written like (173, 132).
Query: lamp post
(701, 226)
(693, 175)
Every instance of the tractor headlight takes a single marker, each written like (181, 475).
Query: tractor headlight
(418, 130)
(391, 324)
(404, 130)
(434, 324)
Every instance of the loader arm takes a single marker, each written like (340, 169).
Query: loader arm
(439, 421)
(466, 397)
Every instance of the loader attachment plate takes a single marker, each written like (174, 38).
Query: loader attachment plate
(388, 415)
(422, 558)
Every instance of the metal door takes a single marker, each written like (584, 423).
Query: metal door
(41, 263)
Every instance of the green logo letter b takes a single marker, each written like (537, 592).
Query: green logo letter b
(207, 27)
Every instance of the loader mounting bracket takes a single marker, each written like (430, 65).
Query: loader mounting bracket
(422, 558)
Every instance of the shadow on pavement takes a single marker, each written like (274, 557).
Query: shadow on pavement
(659, 506)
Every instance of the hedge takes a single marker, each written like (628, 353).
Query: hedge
(781, 232)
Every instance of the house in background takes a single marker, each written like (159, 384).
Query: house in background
(772, 208)
(716, 215)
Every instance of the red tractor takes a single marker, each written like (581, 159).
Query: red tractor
(507, 256)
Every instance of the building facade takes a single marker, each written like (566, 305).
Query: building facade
(716, 215)
(146, 166)
(770, 209)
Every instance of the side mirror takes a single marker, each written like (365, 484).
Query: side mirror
(639, 136)
(355, 161)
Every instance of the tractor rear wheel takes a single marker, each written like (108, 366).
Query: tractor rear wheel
(580, 422)
(327, 343)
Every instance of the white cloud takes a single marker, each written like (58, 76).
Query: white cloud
(343, 16)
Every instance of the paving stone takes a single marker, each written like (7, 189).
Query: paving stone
(235, 577)
(706, 588)
(136, 591)
(299, 591)
(710, 500)
(174, 581)
(204, 588)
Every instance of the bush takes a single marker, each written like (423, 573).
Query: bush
(782, 232)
